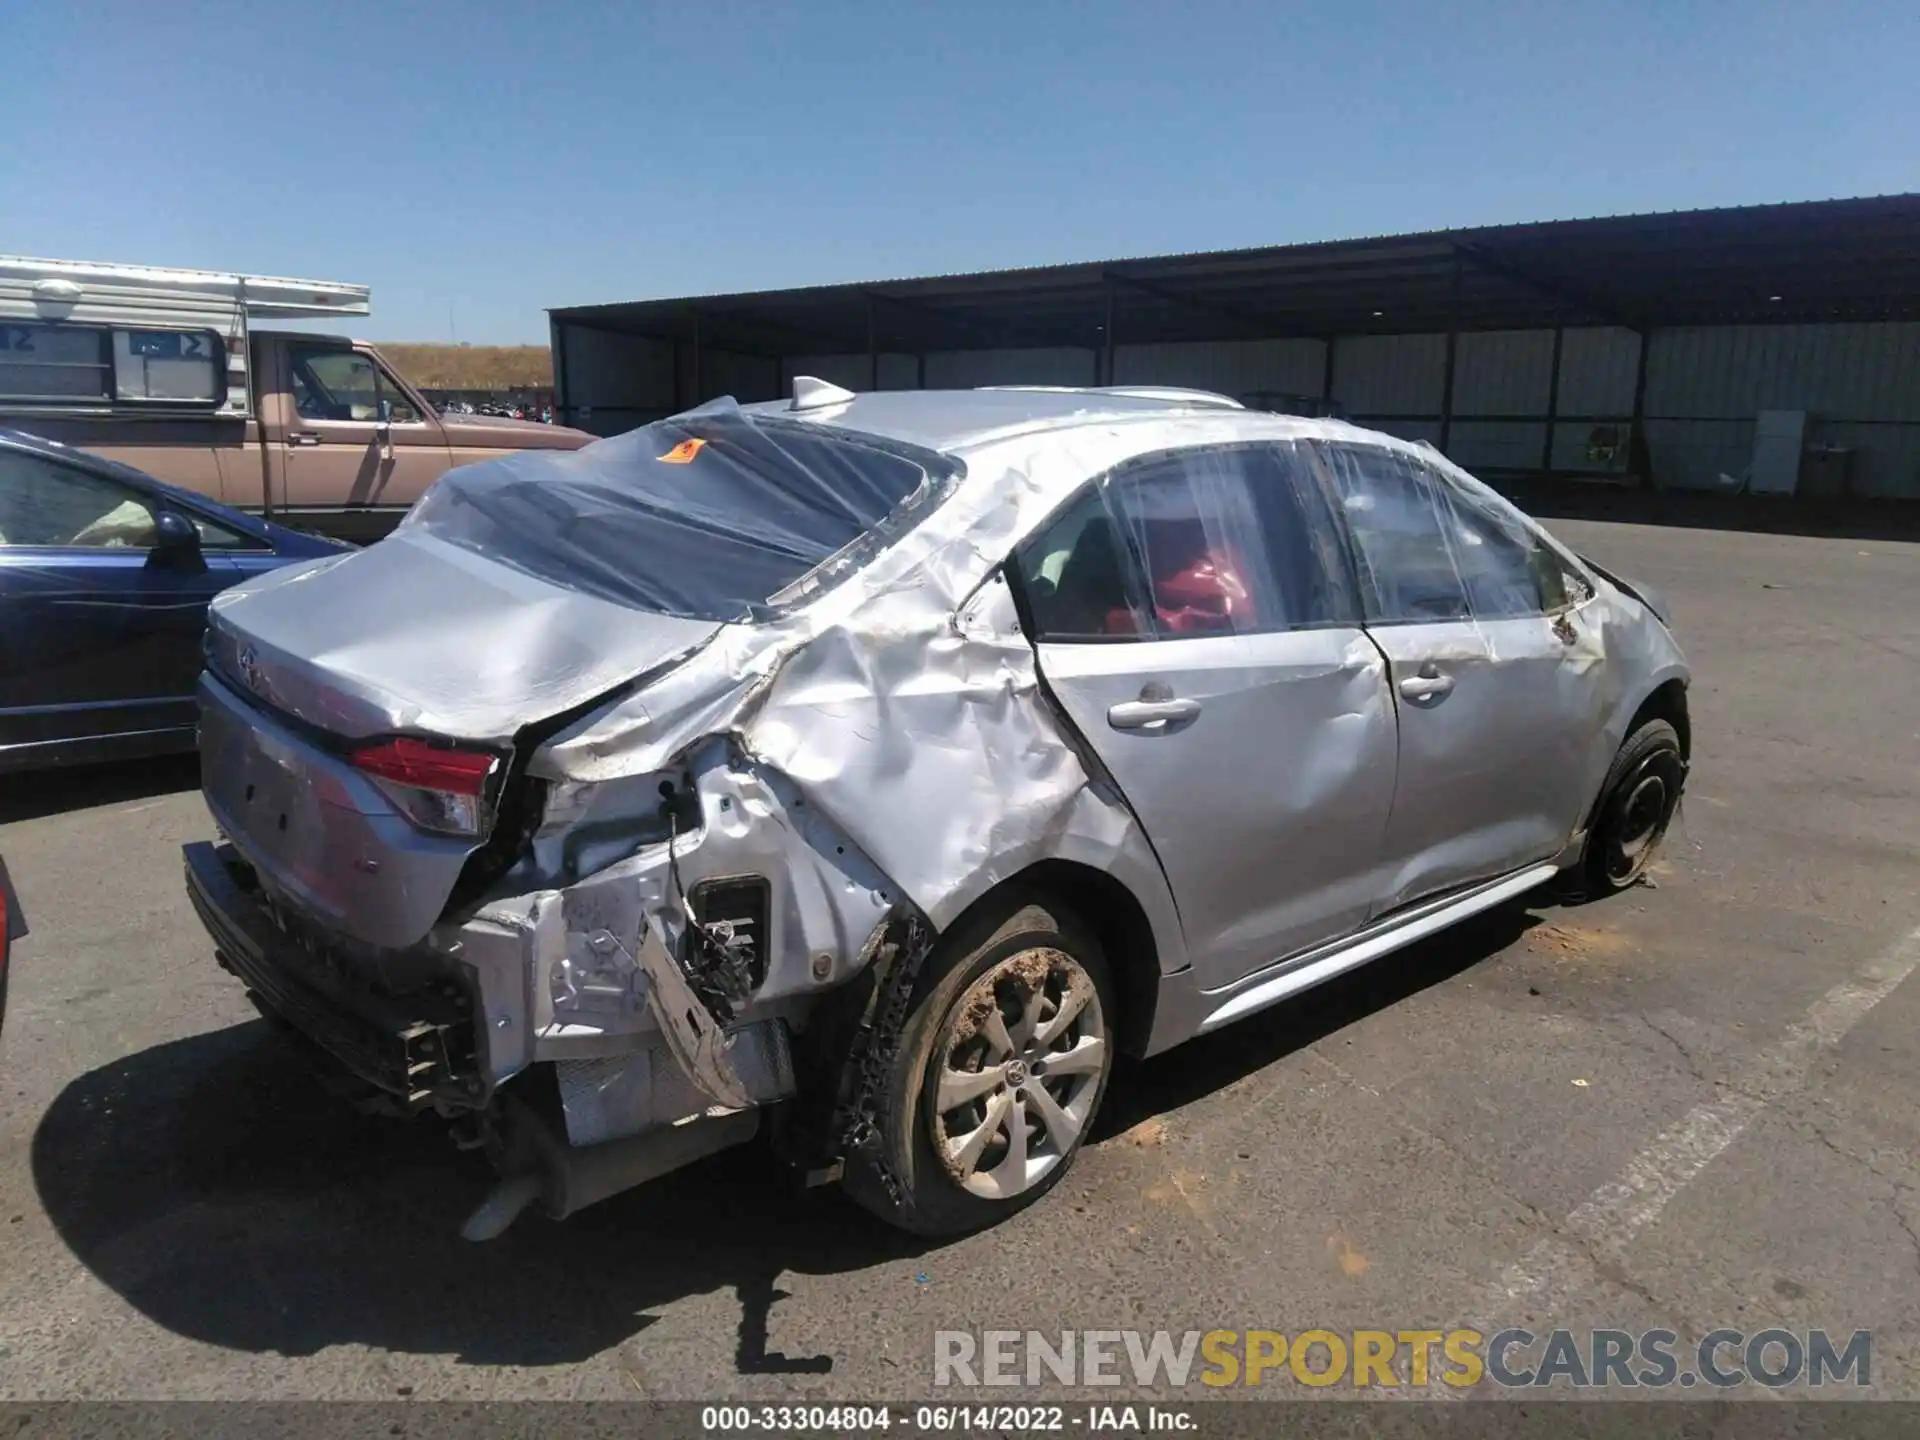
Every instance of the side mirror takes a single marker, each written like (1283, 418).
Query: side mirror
(176, 541)
(385, 412)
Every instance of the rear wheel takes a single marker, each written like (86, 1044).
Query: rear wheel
(1000, 1071)
(1637, 803)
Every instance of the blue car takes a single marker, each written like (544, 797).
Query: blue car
(105, 575)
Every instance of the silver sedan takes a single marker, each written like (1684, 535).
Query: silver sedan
(867, 771)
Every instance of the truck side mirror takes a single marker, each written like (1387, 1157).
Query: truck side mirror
(385, 411)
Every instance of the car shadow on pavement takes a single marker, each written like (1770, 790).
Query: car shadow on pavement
(212, 1185)
(1199, 1068)
(215, 1187)
(39, 793)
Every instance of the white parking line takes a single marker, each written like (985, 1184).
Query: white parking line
(1545, 1279)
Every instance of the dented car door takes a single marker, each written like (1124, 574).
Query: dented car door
(1499, 687)
(1195, 618)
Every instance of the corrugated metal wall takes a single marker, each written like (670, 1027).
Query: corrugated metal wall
(745, 377)
(949, 369)
(611, 382)
(1232, 367)
(1502, 372)
(1597, 372)
(1495, 444)
(1850, 372)
(1390, 375)
(847, 371)
(898, 372)
(1860, 384)
(963, 369)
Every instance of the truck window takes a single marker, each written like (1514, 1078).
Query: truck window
(331, 384)
(86, 364)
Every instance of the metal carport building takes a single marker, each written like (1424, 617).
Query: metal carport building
(1660, 346)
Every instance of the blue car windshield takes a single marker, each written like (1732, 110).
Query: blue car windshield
(710, 515)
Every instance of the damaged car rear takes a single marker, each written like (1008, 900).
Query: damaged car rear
(871, 770)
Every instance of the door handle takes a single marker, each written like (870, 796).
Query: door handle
(1428, 684)
(1144, 714)
(304, 437)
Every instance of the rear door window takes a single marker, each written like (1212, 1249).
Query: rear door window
(1220, 540)
(1196, 530)
(1310, 562)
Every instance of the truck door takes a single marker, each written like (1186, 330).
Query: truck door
(358, 450)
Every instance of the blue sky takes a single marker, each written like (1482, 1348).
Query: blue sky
(478, 162)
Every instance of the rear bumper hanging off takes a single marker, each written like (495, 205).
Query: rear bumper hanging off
(417, 1047)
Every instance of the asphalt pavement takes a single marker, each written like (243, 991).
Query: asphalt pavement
(1691, 1106)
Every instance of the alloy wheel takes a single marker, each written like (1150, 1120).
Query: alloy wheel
(1017, 1073)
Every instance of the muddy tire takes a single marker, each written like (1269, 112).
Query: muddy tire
(1637, 803)
(1000, 1071)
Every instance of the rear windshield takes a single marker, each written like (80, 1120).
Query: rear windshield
(712, 515)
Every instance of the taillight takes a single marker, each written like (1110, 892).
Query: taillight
(438, 788)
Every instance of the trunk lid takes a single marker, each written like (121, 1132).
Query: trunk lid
(323, 839)
(413, 635)
(410, 636)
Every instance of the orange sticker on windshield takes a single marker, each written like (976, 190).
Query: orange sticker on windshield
(683, 453)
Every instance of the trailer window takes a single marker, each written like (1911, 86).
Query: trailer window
(56, 363)
(167, 365)
(84, 364)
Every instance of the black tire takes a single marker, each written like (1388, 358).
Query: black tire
(1637, 803)
(1014, 936)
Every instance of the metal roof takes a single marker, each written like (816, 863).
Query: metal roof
(1812, 261)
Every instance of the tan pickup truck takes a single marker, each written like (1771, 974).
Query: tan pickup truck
(163, 370)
